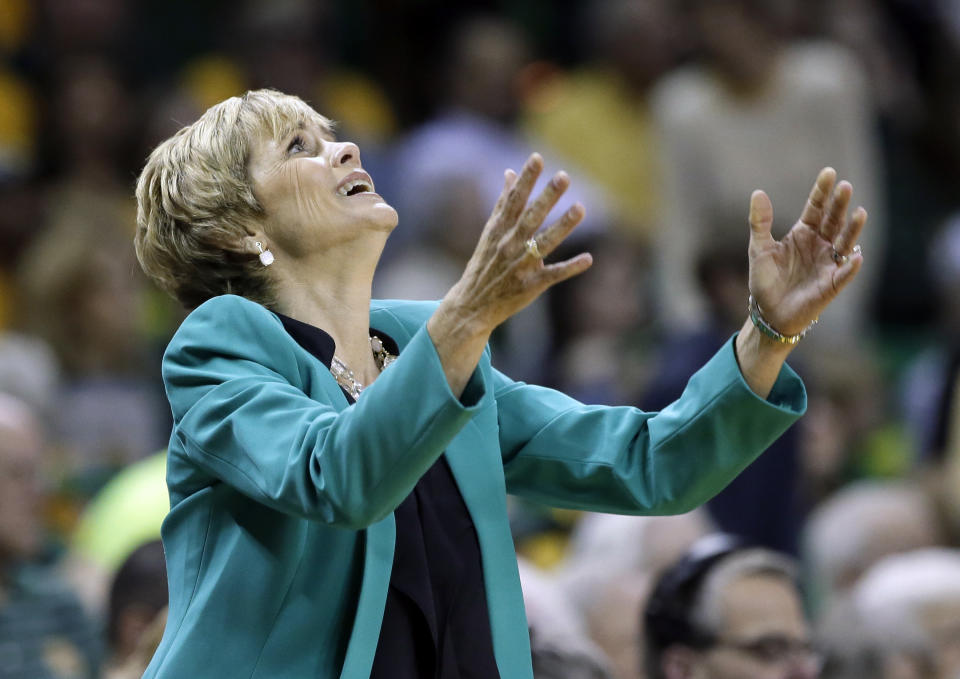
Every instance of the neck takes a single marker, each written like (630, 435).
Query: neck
(332, 291)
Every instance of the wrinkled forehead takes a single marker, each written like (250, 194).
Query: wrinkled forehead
(276, 116)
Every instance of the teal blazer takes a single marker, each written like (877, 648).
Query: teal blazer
(280, 537)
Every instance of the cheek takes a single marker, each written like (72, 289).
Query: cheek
(312, 201)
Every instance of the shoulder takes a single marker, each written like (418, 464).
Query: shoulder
(226, 315)
(227, 310)
(229, 326)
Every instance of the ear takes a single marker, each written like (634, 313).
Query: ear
(248, 244)
(680, 662)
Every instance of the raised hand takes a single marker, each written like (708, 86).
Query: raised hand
(794, 279)
(506, 271)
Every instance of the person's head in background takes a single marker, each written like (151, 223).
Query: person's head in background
(901, 620)
(721, 268)
(138, 594)
(841, 435)
(595, 321)
(739, 39)
(864, 522)
(725, 611)
(485, 56)
(81, 292)
(639, 40)
(283, 45)
(93, 121)
(21, 446)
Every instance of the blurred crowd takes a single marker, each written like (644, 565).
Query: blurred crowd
(666, 114)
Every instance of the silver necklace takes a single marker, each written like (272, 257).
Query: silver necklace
(344, 375)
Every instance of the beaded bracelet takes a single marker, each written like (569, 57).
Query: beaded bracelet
(764, 327)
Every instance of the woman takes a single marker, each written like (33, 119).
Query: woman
(338, 513)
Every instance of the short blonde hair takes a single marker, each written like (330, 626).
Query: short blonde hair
(195, 199)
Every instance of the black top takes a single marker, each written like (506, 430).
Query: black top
(436, 624)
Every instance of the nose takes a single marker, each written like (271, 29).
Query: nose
(346, 154)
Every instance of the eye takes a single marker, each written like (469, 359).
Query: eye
(297, 145)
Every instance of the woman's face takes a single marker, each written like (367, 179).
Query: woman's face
(314, 192)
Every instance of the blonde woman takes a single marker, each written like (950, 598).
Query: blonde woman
(338, 466)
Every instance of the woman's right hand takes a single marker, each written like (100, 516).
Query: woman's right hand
(504, 274)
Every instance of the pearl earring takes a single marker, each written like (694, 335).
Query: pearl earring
(266, 257)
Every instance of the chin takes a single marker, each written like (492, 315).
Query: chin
(383, 217)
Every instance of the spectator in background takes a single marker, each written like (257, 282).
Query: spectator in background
(902, 620)
(867, 28)
(137, 596)
(847, 434)
(728, 612)
(630, 45)
(930, 389)
(78, 281)
(124, 515)
(29, 371)
(601, 351)
(604, 547)
(614, 625)
(289, 45)
(44, 633)
(611, 564)
(476, 119)
(754, 114)
(84, 298)
(443, 199)
(559, 643)
(861, 524)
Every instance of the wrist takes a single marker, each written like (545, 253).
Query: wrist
(759, 319)
(751, 341)
(451, 322)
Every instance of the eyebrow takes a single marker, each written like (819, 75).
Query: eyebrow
(327, 128)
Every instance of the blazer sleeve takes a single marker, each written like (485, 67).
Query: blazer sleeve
(232, 378)
(560, 452)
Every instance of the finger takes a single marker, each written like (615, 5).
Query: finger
(509, 177)
(812, 214)
(761, 216)
(535, 214)
(556, 233)
(519, 193)
(837, 214)
(552, 274)
(850, 233)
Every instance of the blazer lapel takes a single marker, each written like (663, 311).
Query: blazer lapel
(474, 458)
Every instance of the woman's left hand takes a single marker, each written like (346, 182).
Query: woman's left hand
(794, 279)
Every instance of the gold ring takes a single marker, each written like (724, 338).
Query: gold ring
(533, 248)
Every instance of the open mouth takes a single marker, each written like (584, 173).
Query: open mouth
(355, 187)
